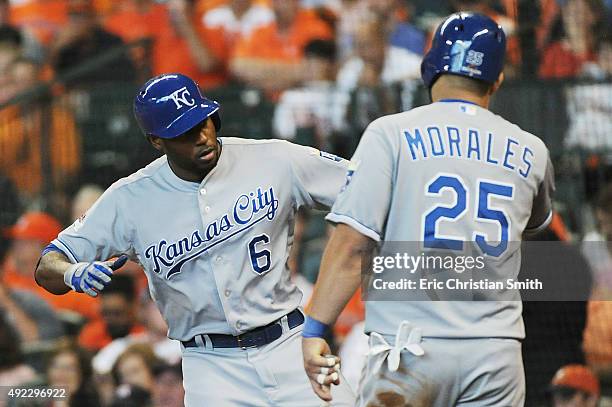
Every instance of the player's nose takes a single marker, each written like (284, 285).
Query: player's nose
(202, 136)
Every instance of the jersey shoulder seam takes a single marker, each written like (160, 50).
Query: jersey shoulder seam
(134, 178)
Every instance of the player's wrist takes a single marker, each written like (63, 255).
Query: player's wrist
(314, 328)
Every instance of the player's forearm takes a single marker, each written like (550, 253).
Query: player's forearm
(202, 56)
(340, 274)
(50, 272)
(28, 331)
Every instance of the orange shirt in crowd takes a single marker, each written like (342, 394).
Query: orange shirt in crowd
(94, 335)
(82, 304)
(170, 52)
(597, 342)
(267, 43)
(202, 6)
(20, 147)
(43, 18)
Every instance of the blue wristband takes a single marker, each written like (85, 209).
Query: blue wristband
(314, 328)
(51, 248)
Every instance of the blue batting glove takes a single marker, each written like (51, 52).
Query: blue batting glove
(91, 278)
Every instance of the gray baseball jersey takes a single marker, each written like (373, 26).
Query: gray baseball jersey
(215, 253)
(448, 173)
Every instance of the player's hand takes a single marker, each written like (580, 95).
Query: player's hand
(91, 278)
(321, 367)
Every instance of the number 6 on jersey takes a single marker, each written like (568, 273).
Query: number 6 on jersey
(263, 255)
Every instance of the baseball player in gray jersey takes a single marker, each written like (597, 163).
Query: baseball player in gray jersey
(211, 222)
(443, 175)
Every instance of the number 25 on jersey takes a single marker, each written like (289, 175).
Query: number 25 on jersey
(483, 213)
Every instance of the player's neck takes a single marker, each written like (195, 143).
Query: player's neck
(187, 175)
(482, 101)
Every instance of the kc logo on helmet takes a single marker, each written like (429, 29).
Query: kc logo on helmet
(182, 97)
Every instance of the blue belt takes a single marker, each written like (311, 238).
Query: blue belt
(252, 339)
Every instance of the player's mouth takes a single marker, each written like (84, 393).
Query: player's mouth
(207, 155)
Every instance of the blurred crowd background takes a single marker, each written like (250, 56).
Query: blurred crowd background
(312, 71)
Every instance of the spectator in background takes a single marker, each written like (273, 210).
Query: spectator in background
(596, 245)
(135, 366)
(597, 248)
(10, 46)
(573, 39)
(376, 61)
(85, 197)
(80, 40)
(155, 335)
(13, 370)
(43, 18)
(400, 33)
(270, 57)
(314, 113)
(223, 26)
(119, 310)
(369, 75)
(131, 396)
(32, 232)
(354, 12)
(601, 68)
(168, 389)
(10, 208)
(31, 316)
(589, 105)
(554, 325)
(574, 386)
(30, 45)
(22, 131)
(179, 43)
(69, 366)
(10, 50)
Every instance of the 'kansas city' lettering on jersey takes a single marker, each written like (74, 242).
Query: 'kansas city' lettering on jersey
(248, 209)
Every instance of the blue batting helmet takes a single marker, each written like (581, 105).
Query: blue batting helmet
(168, 105)
(466, 44)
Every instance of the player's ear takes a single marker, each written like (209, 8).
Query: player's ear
(497, 83)
(155, 142)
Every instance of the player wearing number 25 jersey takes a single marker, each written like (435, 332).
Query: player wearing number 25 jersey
(447, 175)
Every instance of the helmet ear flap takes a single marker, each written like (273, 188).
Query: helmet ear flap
(216, 118)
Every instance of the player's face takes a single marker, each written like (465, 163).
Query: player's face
(193, 154)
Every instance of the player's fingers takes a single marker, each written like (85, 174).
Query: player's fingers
(314, 369)
(117, 264)
(101, 269)
(95, 283)
(323, 361)
(324, 379)
(89, 290)
(322, 391)
(102, 274)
